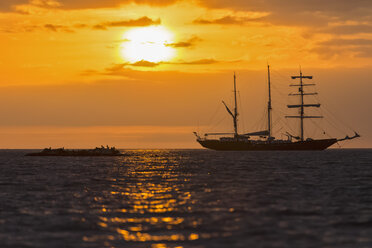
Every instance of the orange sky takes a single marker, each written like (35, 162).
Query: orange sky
(69, 76)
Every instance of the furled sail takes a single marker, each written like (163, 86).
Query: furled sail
(259, 133)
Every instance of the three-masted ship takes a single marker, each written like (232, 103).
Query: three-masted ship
(244, 142)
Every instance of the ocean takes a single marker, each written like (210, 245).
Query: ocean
(187, 198)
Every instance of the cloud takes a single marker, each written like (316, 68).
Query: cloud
(45, 27)
(192, 62)
(226, 20)
(80, 25)
(57, 28)
(185, 44)
(121, 69)
(90, 4)
(198, 62)
(23, 6)
(342, 7)
(8, 5)
(347, 42)
(364, 52)
(140, 22)
(89, 72)
(337, 7)
(300, 13)
(289, 12)
(349, 29)
(314, 13)
(99, 27)
(143, 21)
(144, 63)
(124, 68)
(344, 47)
(45, 3)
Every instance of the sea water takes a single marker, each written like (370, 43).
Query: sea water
(187, 198)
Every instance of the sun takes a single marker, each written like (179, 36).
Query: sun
(148, 43)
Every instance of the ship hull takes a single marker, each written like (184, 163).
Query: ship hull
(237, 145)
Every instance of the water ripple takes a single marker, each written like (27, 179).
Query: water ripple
(187, 198)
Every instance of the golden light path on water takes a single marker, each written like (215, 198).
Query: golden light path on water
(147, 203)
(150, 44)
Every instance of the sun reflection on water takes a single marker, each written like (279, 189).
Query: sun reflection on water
(147, 202)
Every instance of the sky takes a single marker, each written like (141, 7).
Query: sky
(146, 74)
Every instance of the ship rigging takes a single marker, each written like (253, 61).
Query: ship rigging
(269, 142)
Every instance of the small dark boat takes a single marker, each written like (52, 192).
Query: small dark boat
(97, 152)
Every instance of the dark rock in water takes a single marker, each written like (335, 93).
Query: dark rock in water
(98, 151)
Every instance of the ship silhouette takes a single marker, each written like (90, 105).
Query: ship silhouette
(244, 142)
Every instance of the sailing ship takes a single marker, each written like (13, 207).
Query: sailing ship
(244, 142)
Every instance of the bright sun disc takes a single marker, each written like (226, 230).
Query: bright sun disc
(149, 44)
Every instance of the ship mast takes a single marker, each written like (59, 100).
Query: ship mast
(235, 110)
(302, 105)
(234, 114)
(269, 108)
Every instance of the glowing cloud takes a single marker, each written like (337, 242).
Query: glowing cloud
(148, 44)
